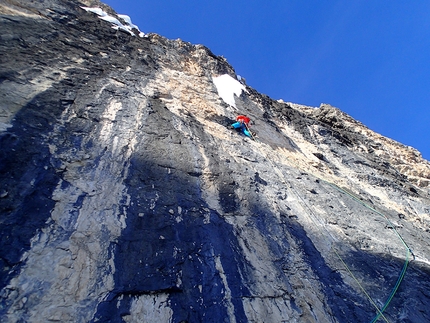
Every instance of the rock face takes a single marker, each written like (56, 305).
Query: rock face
(124, 196)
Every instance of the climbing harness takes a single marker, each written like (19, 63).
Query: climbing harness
(250, 132)
(409, 252)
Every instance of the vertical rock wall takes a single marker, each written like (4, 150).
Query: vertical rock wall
(125, 197)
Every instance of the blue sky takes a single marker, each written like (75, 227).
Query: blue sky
(371, 59)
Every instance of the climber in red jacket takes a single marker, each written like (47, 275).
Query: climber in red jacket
(242, 123)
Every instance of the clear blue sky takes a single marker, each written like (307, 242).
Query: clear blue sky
(371, 59)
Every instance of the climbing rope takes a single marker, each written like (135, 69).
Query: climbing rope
(357, 199)
(250, 132)
(408, 250)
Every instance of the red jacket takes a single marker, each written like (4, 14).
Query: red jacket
(243, 119)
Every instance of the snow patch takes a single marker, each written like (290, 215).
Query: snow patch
(130, 24)
(97, 11)
(227, 87)
(116, 24)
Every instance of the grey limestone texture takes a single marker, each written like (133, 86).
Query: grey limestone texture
(125, 196)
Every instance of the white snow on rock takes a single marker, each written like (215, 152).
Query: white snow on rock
(97, 11)
(127, 19)
(112, 20)
(227, 87)
(116, 24)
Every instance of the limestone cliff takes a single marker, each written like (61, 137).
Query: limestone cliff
(125, 197)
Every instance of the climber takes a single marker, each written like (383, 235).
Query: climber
(242, 124)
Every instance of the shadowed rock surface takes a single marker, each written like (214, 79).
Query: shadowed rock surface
(125, 197)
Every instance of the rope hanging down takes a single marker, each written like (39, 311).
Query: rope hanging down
(408, 250)
(250, 132)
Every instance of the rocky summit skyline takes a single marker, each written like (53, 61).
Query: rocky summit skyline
(125, 196)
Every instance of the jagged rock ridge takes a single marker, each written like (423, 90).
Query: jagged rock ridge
(126, 198)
